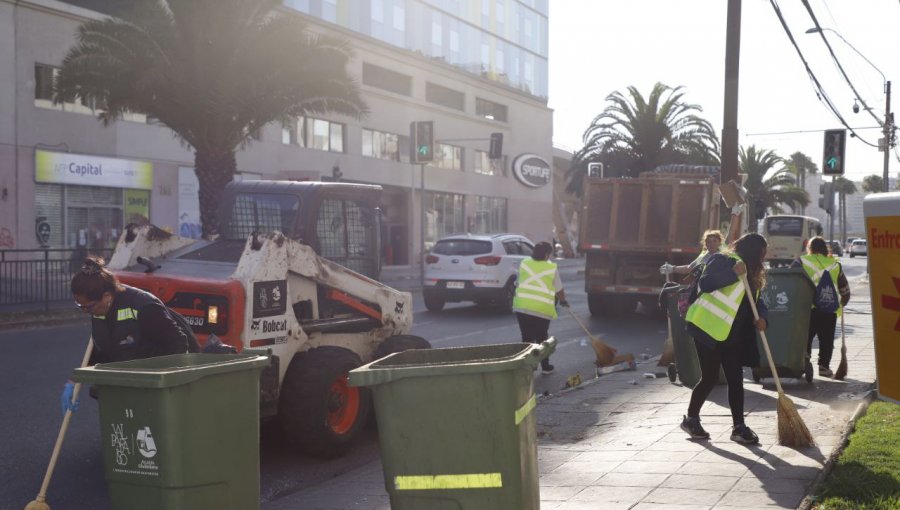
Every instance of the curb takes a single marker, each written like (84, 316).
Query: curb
(810, 499)
(42, 319)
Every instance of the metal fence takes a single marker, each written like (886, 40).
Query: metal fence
(41, 276)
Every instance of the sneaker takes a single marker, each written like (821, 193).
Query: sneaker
(547, 369)
(742, 434)
(693, 428)
(825, 372)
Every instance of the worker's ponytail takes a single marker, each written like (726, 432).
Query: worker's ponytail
(93, 279)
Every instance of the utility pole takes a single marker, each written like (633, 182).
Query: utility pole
(831, 214)
(732, 67)
(888, 135)
(422, 221)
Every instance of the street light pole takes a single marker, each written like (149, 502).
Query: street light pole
(888, 132)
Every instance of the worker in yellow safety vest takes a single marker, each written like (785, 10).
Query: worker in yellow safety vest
(722, 324)
(537, 289)
(826, 307)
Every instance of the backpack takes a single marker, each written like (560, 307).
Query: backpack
(825, 298)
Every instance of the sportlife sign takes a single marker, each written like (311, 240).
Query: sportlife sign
(532, 170)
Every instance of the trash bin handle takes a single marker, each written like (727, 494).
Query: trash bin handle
(541, 351)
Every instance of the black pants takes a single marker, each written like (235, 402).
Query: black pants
(822, 324)
(714, 354)
(534, 330)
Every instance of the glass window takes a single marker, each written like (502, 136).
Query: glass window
(378, 11)
(444, 215)
(337, 137)
(526, 248)
(377, 144)
(320, 134)
(462, 247)
(484, 165)
(490, 110)
(490, 217)
(346, 233)
(399, 18)
(512, 248)
(43, 81)
(447, 156)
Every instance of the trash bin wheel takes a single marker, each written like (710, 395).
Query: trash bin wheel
(756, 375)
(321, 414)
(672, 372)
(433, 302)
(400, 343)
(808, 370)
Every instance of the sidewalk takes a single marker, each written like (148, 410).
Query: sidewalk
(615, 443)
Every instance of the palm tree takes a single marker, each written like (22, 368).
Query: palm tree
(843, 187)
(635, 134)
(873, 183)
(800, 165)
(213, 71)
(768, 193)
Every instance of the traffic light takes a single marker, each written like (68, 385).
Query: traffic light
(423, 141)
(826, 197)
(496, 150)
(595, 169)
(833, 159)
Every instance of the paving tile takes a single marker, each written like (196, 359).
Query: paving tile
(703, 482)
(569, 479)
(605, 456)
(587, 466)
(632, 479)
(665, 455)
(789, 472)
(684, 496)
(725, 469)
(643, 466)
(592, 505)
(560, 493)
(771, 485)
(605, 494)
(669, 506)
(761, 500)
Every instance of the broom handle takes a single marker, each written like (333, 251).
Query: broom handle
(762, 334)
(843, 338)
(65, 425)
(588, 333)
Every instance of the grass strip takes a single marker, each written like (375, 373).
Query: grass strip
(867, 474)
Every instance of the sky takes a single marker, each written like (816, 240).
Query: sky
(601, 46)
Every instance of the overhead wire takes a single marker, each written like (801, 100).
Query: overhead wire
(820, 90)
(837, 62)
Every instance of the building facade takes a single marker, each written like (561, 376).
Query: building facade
(472, 67)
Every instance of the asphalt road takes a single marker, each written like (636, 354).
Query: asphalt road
(37, 361)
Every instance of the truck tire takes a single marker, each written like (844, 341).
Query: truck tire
(595, 305)
(400, 343)
(321, 415)
(433, 303)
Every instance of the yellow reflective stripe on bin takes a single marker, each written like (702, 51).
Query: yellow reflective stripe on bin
(429, 482)
(526, 408)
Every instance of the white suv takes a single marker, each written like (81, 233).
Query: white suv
(858, 247)
(479, 268)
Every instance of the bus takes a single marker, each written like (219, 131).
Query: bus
(787, 236)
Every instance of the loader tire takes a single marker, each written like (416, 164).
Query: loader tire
(321, 414)
(400, 343)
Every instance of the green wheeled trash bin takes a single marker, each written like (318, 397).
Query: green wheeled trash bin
(687, 362)
(788, 295)
(457, 426)
(180, 432)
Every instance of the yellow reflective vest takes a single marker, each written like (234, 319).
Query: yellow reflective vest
(816, 265)
(714, 312)
(535, 291)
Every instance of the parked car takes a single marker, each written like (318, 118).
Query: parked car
(479, 268)
(858, 247)
(849, 243)
(836, 249)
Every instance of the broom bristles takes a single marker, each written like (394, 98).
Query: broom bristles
(791, 429)
(841, 371)
(668, 354)
(605, 353)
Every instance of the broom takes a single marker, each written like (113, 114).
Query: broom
(841, 371)
(40, 502)
(605, 353)
(791, 429)
(668, 354)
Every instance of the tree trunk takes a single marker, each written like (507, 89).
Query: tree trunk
(213, 171)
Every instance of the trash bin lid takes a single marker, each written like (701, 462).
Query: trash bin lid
(167, 371)
(451, 361)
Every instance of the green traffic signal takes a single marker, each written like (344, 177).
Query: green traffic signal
(833, 154)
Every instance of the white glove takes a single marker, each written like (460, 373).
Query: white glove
(737, 209)
(666, 268)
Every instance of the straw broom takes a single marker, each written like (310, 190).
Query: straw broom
(791, 429)
(605, 353)
(841, 371)
(40, 503)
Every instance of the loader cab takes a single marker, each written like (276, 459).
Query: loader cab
(340, 221)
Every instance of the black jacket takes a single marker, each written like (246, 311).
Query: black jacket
(138, 325)
(718, 274)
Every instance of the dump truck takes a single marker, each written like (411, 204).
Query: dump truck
(631, 227)
(292, 275)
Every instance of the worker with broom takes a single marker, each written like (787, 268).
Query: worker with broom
(537, 289)
(126, 323)
(825, 273)
(724, 330)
